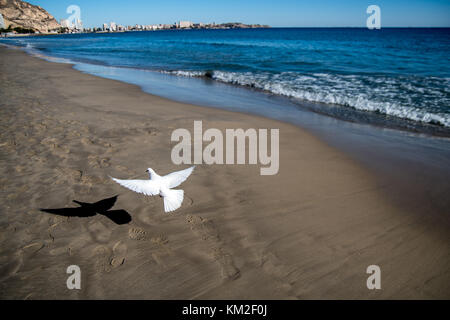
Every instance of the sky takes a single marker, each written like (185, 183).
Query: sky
(280, 13)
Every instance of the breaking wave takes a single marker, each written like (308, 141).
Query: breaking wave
(403, 97)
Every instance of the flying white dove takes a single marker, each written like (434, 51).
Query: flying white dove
(160, 185)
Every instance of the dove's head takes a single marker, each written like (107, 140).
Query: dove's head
(150, 172)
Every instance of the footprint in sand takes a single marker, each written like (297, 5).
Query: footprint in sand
(203, 227)
(160, 240)
(229, 270)
(98, 162)
(161, 249)
(162, 244)
(107, 259)
(102, 256)
(119, 254)
(188, 200)
(137, 234)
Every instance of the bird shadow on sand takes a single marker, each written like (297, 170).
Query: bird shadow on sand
(91, 209)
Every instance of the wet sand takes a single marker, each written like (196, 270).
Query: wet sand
(308, 232)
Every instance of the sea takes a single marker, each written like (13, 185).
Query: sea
(392, 77)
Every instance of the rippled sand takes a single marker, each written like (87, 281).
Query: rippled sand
(309, 232)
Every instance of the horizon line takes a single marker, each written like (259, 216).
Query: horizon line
(329, 27)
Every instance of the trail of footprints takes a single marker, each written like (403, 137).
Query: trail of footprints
(207, 232)
(107, 259)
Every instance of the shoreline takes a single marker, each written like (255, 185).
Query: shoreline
(312, 235)
(349, 114)
(416, 120)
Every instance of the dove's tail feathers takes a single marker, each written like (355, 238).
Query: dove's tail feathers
(173, 200)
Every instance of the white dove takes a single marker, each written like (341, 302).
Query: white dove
(160, 185)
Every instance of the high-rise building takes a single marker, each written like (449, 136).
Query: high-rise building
(79, 24)
(185, 24)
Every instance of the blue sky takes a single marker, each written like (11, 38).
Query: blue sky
(280, 13)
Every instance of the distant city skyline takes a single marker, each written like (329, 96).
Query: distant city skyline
(76, 26)
(281, 13)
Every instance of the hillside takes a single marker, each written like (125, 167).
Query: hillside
(22, 14)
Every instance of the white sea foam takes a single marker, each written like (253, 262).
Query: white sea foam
(412, 98)
(185, 73)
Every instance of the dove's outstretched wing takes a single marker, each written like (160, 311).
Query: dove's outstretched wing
(176, 178)
(147, 187)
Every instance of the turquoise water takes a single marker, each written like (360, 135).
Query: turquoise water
(401, 74)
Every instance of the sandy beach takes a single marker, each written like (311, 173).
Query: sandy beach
(309, 232)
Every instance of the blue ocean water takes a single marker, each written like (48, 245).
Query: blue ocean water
(396, 73)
